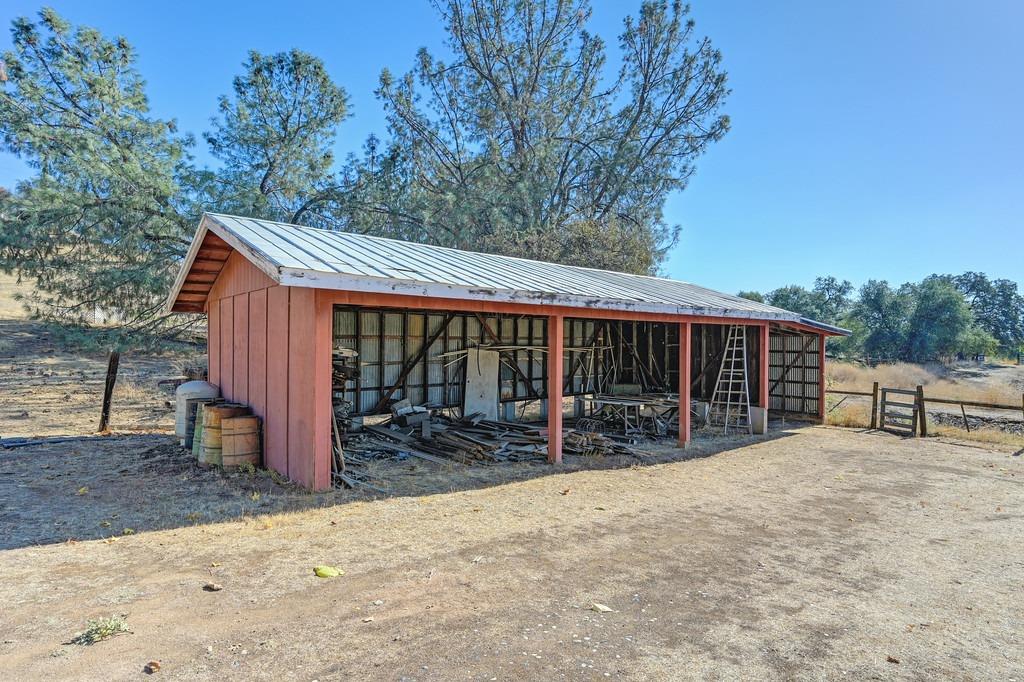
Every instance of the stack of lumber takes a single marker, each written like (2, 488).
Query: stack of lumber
(471, 440)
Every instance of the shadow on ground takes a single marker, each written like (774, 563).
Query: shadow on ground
(101, 487)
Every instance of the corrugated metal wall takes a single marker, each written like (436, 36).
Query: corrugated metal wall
(797, 355)
(390, 340)
(642, 353)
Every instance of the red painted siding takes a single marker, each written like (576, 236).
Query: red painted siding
(227, 336)
(275, 424)
(258, 352)
(301, 377)
(213, 341)
(240, 348)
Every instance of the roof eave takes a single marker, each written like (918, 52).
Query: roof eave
(315, 279)
(209, 224)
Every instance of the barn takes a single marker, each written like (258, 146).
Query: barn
(283, 301)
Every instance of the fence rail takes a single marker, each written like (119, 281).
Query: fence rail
(878, 408)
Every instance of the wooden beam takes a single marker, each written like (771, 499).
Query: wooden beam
(762, 384)
(685, 369)
(821, 377)
(435, 303)
(556, 346)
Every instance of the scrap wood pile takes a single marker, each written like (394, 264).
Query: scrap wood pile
(472, 440)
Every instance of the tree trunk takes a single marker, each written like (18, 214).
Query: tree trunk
(108, 388)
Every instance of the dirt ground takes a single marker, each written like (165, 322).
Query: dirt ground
(45, 391)
(821, 553)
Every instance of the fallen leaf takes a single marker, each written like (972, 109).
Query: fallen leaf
(327, 571)
(83, 490)
(215, 564)
(600, 608)
(151, 667)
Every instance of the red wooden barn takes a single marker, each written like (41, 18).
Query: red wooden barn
(281, 299)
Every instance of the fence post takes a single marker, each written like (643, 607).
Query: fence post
(923, 417)
(108, 389)
(874, 406)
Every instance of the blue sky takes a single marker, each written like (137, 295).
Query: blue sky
(870, 139)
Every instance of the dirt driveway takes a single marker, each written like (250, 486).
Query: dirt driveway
(823, 554)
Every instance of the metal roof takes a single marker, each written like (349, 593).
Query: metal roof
(300, 256)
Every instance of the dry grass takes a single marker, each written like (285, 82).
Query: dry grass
(937, 380)
(994, 436)
(856, 415)
(11, 309)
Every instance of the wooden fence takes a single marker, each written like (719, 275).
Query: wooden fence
(886, 413)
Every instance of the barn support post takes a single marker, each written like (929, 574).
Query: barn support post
(685, 367)
(821, 377)
(762, 365)
(323, 348)
(556, 346)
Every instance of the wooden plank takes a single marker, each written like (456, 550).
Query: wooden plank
(901, 391)
(893, 403)
(227, 367)
(975, 403)
(275, 422)
(213, 343)
(258, 352)
(240, 349)
(301, 381)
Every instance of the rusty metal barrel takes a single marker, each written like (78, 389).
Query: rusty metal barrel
(240, 437)
(213, 417)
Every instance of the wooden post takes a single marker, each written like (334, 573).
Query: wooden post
(874, 405)
(108, 388)
(685, 366)
(923, 416)
(763, 366)
(323, 408)
(821, 378)
(556, 346)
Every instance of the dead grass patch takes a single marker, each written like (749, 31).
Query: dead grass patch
(936, 379)
(994, 436)
(855, 415)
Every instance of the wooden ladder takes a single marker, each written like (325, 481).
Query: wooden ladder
(730, 403)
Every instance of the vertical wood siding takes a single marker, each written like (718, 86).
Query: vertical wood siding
(301, 378)
(263, 346)
(240, 349)
(275, 421)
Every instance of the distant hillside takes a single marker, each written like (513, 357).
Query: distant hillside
(9, 308)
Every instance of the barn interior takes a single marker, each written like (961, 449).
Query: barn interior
(462, 377)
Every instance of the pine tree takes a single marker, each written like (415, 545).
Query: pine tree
(99, 228)
(524, 145)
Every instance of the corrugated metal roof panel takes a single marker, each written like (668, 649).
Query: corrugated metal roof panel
(306, 256)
